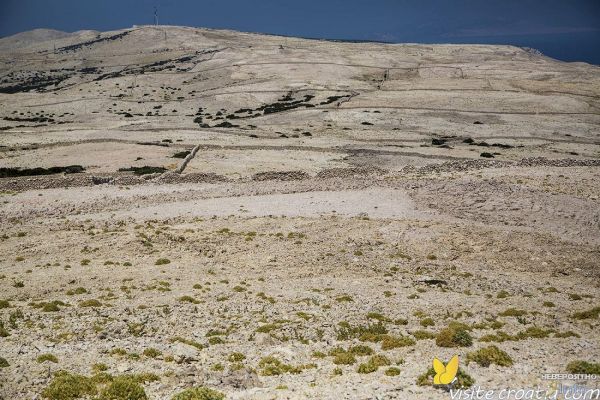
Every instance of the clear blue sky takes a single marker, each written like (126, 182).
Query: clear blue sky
(564, 29)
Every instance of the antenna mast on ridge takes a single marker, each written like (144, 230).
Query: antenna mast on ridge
(155, 16)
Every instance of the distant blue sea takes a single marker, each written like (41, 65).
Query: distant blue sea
(581, 46)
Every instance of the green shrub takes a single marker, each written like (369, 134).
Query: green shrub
(3, 363)
(422, 335)
(271, 366)
(3, 331)
(389, 342)
(66, 386)
(392, 371)
(4, 304)
(583, 367)
(360, 350)
(162, 261)
(455, 335)
(378, 316)
(344, 359)
(47, 357)
(199, 393)
(490, 355)
(373, 364)
(99, 367)
(512, 312)
(90, 303)
(236, 357)
(463, 380)
(189, 342)
(79, 290)
(370, 333)
(50, 307)
(566, 334)
(152, 352)
(267, 328)
(188, 299)
(531, 332)
(215, 340)
(123, 388)
(588, 314)
(218, 367)
(427, 322)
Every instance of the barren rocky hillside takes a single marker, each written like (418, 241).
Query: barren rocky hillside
(274, 217)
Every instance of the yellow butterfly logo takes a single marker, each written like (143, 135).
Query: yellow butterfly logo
(445, 374)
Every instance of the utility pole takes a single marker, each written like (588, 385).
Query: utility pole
(155, 16)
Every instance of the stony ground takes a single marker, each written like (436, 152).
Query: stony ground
(322, 249)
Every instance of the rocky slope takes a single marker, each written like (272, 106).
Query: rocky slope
(274, 217)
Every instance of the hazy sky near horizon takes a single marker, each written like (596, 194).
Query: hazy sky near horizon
(565, 29)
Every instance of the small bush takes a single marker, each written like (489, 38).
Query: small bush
(392, 371)
(344, 359)
(389, 342)
(3, 363)
(373, 364)
(463, 380)
(78, 290)
(199, 393)
(422, 335)
(266, 328)
(152, 352)
(455, 335)
(215, 340)
(4, 304)
(360, 350)
(189, 342)
(162, 261)
(512, 312)
(188, 299)
(583, 367)
(490, 355)
(47, 357)
(66, 386)
(123, 388)
(566, 334)
(3, 331)
(371, 332)
(90, 303)
(50, 307)
(378, 316)
(271, 366)
(588, 314)
(236, 357)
